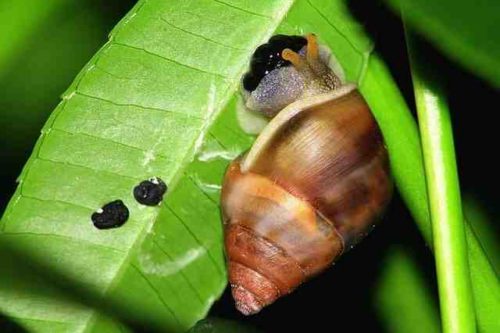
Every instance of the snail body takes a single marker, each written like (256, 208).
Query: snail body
(313, 184)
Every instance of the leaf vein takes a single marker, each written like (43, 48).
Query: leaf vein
(53, 200)
(104, 70)
(188, 282)
(63, 237)
(200, 36)
(242, 9)
(137, 106)
(169, 59)
(193, 180)
(195, 238)
(174, 315)
(87, 168)
(106, 140)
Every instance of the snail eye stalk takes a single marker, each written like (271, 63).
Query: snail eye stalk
(312, 48)
(292, 56)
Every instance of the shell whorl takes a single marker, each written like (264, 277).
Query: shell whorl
(274, 240)
(282, 119)
(314, 183)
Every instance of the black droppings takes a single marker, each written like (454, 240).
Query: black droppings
(150, 192)
(111, 215)
(268, 57)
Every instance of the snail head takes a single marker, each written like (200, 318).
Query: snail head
(286, 69)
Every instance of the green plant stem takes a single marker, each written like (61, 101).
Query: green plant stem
(450, 247)
(403, 142)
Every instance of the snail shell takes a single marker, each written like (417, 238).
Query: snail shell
(314, 183)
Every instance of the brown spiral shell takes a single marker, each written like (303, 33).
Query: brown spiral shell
(314, 183)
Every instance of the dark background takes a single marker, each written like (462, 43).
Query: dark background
(342, 297)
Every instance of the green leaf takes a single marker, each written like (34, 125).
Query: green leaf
(403, 297)
(484, 227)
(159, 99)
(465, 30)
(149, 104)
(19, 20)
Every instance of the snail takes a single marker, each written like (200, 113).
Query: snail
(315, 181)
